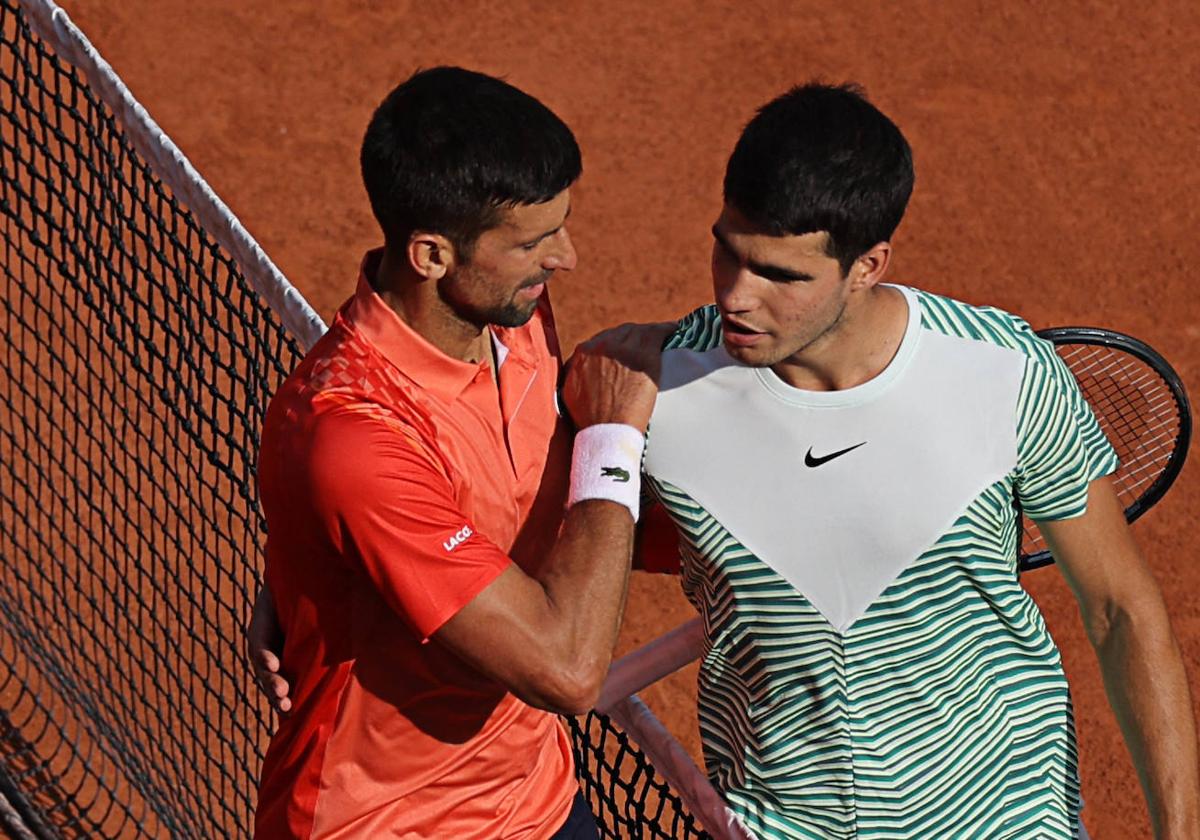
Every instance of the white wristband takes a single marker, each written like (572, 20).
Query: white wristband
(607, 464)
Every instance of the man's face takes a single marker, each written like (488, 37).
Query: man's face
(777, 294)
(507, 271)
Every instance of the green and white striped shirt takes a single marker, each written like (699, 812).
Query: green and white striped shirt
(872, 666)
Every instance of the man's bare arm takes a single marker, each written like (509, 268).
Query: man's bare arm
(550, 639)
(1126, 620)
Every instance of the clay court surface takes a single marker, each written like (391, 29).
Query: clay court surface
(1054, 146)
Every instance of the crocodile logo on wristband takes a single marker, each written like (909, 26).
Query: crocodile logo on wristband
(615, 473)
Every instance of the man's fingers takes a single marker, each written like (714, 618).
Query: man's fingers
(276, 688)
(267, 660)
(264, 638)
(637, 346)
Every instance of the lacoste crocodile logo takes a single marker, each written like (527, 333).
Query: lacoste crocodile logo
(615, 473)
(811, 461)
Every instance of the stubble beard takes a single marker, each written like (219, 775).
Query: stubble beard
(509, 314)
(512, 314)
(517, 313)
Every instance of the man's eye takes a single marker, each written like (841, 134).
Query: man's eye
(781, 277)
(529, 246)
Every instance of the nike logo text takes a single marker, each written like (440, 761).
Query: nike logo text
(810, 461)
(615, 473)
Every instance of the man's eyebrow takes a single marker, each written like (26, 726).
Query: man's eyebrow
(771, 272)
(540, 237)
(721, 240)
(777, 272)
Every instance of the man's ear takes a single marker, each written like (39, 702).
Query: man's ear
(870, 267)
(430, 255)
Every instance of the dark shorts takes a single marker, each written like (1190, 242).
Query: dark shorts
(580, 824)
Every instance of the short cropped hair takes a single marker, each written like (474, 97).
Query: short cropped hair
(449, 149)
(822, 158)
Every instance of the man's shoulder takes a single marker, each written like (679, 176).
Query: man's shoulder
(336, 364)
(979, 322)
(342, 383)
(699, 330)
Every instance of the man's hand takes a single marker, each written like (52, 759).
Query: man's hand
(549, 637)
(613, 376)
(264, 647)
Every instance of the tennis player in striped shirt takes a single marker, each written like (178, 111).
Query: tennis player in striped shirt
(840, 458)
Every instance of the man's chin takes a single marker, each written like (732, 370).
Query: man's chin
(513, 315)
(748, 356)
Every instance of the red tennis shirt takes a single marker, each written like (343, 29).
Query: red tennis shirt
(397, 484)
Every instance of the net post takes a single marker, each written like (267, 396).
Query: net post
(651, 662)
(619, 700)
(669, 757)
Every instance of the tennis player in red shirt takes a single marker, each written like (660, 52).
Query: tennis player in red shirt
(414, 472)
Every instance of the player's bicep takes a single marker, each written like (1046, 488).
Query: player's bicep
(1097, 555)
(503, 633)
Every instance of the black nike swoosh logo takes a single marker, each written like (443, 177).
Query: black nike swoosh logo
(810, 461)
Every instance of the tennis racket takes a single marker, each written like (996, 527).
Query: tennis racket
(1143, 409)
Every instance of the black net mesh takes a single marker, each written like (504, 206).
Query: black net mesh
(135, 367)
(136, 363)
(629, 798)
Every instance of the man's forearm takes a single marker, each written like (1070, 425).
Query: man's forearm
(548, 635)
(586, 583)
(1147, 687)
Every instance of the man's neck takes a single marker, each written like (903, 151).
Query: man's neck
(856, 349)
(416, 302)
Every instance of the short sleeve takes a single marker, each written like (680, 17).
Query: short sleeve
(1061, 448)
(656, 540)
(389, 509)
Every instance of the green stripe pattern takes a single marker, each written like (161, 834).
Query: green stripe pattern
(943, 712)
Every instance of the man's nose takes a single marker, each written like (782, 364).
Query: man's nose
(562, 255)
(734, 290)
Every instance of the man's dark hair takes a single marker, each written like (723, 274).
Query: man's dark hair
(449, 149)
(822, 158)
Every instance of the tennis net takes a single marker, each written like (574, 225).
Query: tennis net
(137, 360)
(141, 333)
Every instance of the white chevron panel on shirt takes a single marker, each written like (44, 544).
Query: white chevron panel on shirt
(929, 433)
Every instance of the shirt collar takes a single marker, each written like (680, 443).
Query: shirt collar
(400, 344)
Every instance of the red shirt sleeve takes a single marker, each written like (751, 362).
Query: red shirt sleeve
(389, 508)
(656, 543)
